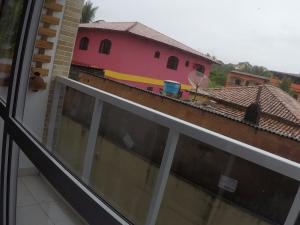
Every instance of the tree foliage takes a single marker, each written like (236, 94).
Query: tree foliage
(9, 24)
(88, 12)
(218, 74)
(257, 70)
(285, 85)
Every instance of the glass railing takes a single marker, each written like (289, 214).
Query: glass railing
(156, 169)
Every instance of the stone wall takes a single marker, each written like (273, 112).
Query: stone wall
(64, 50)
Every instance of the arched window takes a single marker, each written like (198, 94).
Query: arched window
(105, 47)
(157, 54)
(172, 63)
(84, 43)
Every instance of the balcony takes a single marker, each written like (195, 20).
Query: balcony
(151, 168)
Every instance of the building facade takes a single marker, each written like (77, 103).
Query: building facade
(237, 78)
(137, 55)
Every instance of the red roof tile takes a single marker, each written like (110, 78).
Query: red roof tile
(249, 74)
(280, 112)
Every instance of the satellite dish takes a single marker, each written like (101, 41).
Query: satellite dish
(198, 80)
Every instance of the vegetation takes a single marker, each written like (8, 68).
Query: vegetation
(257, 70)
(88, 12)
(285, 85)
(9, 24)
(219, 73)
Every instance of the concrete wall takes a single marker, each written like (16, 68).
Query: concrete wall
(134, 55)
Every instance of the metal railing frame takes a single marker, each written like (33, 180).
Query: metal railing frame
(176, 127)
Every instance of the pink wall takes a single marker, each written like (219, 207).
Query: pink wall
(135, 55)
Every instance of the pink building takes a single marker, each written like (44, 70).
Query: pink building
(137, 55)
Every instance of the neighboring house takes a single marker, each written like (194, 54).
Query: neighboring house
(279, 113)
(137, 55)
(238, 78)
(277, 77)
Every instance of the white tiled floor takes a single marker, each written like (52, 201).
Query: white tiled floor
(38, 204)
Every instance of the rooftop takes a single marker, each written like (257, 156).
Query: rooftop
(280, 112)
(286, 74)
(144, 31)
(249, 74)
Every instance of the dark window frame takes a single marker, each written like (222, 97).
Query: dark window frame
(200, 68)
(237, 81)
(173, 63)
(84, 43)
(157, 54)
(105, 47)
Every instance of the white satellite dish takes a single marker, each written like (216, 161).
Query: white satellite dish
(198, 79)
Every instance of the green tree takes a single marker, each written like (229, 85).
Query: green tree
(285, 85)
(9, 26)
(218, 74)
(88, 12)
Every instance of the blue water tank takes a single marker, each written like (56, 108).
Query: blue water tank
(171, 87)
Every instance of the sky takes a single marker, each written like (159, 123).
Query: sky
(262, 32)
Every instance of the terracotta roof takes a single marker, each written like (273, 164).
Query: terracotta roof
(280, 112)
(286, 74)
(142, 30)
(249, 74)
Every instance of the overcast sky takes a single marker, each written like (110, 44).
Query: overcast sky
(263, 32)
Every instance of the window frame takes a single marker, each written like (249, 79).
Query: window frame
(87, 204)
(173, 62)
(84, 44)
(157, 54)
(105, 47)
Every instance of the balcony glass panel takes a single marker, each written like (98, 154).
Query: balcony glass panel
(127, 158)
(72, 129)
(211, 187)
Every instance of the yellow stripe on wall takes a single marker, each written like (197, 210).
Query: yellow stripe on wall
(139, 79)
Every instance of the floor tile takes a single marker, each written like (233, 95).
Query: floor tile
(32, 215)
(24, 197)
(38, 204)
(39, 189)
(60, 213)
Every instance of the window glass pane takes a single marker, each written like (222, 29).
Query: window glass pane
(127, 158)
(10, 20)
(209, 186)
(72, 129)
(120, 156)
(37, 201)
